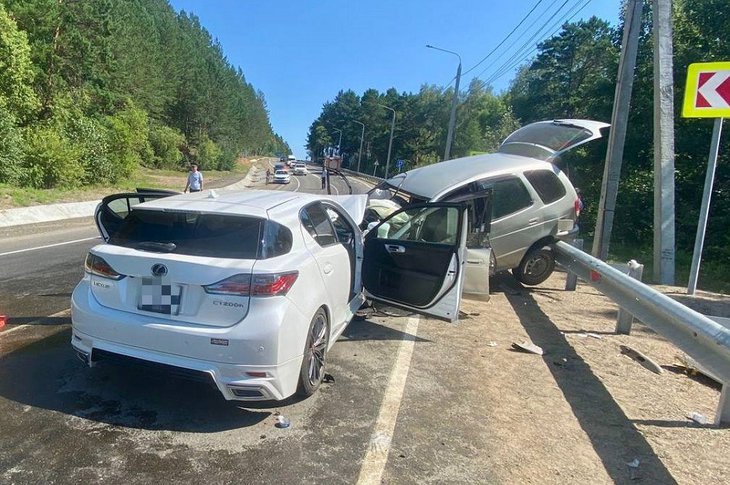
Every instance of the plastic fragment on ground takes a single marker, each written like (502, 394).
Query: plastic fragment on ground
(642, 359)
(528, 347)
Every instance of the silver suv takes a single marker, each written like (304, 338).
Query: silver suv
(532, 201)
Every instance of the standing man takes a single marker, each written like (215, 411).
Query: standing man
(324, 177)
(195, 179)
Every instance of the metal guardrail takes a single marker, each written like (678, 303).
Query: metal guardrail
(701, 338)
(371, 178)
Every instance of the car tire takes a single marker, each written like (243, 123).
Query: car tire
(315, 355)
(535, 267)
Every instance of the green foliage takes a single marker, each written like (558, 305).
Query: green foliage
(129, 82)
(129, 145)
(51, 160)
(16, 70)
(166, 143)
(11, 148)
(209, 154)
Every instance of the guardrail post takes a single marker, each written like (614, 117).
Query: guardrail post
(625, 319)
(571, 281)
(722, 416)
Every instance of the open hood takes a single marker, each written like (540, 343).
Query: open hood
(546, 140)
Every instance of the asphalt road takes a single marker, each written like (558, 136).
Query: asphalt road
(62, 422)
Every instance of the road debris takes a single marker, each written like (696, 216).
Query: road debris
(492, 344)
(282, 421)
(561, 362)
(692, 367)
(328, 379)
(699, 418)
(528, 346)
(594, 335)
(3, 320)
(634, 469)
(642, 359)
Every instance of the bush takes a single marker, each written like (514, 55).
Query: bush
(51, 160)
(208, 154)
(91, 138)
(11, 148)
(166, 143)
(129, 144)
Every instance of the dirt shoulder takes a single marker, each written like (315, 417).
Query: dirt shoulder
(583, 411)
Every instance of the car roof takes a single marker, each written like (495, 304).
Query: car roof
(256, 203)
(433, 180)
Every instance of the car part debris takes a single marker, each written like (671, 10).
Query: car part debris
(699, 418)
(528, 347)
(282, 421)
(492, 344)
(328, 378)
(642, 359)
(634, 469)
(692, 367)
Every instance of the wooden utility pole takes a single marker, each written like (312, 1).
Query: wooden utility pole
(663, 143)
(617, 135)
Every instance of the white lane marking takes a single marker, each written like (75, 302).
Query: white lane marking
(376, 457)
(50, 246)
(298, 184)
(62, 313)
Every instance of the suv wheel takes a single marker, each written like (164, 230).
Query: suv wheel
(536, 267)
(315, 354)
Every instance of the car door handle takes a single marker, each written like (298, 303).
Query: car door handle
(394, 248)
(533, 221)
(328, 268)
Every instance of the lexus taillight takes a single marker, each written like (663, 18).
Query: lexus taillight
(578, 205)
(275, 284)
(98, 267)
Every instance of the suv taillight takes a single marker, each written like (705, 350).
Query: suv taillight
(98, 267)
(275, 284)
(578, 205)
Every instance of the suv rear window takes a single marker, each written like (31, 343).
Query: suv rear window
(547, 184)
(193, 234)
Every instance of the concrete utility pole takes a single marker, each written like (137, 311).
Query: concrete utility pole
(390, 143)
(663, 144)
(454, 103)
(617, 135)
(362, 137)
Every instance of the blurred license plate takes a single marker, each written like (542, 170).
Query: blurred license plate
(159, 296)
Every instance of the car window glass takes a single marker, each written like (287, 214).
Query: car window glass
(188, 233)
(344, 231)
(510, 195)
(277, 240)
(547, 185)
(318, 225)
(423, 224)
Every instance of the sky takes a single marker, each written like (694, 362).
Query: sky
(301, 53)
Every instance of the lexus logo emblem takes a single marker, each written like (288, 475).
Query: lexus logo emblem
(159, 270)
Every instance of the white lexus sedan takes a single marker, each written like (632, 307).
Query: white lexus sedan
(249, 290)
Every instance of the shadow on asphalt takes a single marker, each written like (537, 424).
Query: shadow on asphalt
(595, 409)
(359, 330)
(47, 374)
(39, 320)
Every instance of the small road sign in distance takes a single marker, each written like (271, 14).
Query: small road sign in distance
(707, 93)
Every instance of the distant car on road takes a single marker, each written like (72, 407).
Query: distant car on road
(300, 168)
(281, 177)
(533, 202)
(249, 290)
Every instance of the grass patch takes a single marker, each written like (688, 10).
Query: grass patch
(713, 275)
(11, 196)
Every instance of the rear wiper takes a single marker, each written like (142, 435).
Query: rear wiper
(156, 247)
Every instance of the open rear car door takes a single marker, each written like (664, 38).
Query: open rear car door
(414, 259)
(547, 140)
(113, 209)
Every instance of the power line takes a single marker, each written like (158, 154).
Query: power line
(519, 55)
(528, 41)
(505, 39)
(507, 68)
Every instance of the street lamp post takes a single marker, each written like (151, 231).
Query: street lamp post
(339, 141)
(390, 143)
(454, 101)
(362, 137)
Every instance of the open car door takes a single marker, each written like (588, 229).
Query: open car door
(547, 140)
(414, 259)
(113, 209)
